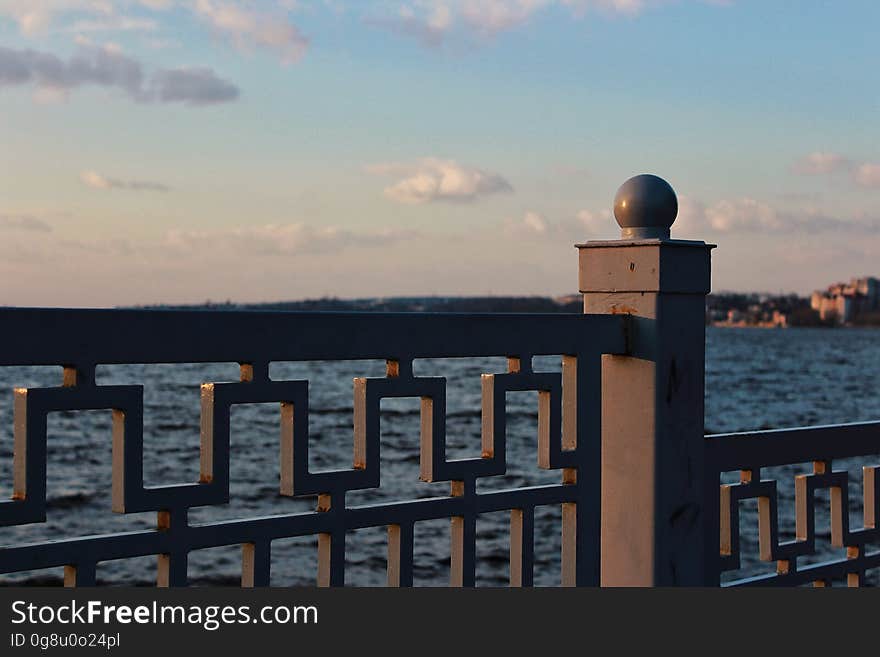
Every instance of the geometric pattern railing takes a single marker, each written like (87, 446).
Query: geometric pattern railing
(749, 453)
(80, 340)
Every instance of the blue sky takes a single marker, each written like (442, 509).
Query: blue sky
(162, 150)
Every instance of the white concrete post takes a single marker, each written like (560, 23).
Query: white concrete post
(652, 399)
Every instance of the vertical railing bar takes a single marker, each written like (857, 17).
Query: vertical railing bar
(256, 563)
(400, 555)
(522, 546)
(80, 574)
(463, 538)
(172, 566)
(172, 569)
(331, 545)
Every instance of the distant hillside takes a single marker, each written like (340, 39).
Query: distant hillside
(566, 304)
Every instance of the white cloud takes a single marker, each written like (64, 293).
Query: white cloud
(868, 174)
(434, 179)
(821, 162)
(247, 28)
(95, 180)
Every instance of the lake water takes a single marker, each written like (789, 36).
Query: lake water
(756, 379)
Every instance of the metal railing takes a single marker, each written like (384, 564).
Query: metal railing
(752, 451)
(81, 340)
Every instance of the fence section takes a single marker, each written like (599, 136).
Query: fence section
(80, 340)
(749, 453)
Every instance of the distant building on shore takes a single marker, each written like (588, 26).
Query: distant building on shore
(842, 302)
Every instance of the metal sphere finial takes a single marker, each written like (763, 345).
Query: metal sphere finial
(645, 207)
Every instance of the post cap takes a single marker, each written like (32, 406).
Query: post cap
(645, 207)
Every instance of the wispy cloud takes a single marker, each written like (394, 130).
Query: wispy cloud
(110, 68)
(867, 174)
(24, 222)
(244, 23)
(114, 24)
(432, 22)
(584, 224)
(864, 174)
(274, 243)
(748, 215)
(530, 224)
(190, 85)
(599, 223)
(433, 179)
(248, 28)
(821, 162)
(282, 239)
(158, 5)
(35, 16)
(95, 180)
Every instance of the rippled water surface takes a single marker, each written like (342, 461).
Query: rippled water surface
(756, 379)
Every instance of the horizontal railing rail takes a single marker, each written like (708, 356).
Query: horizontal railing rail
(750, 452)
(81, 340)
(52, 337)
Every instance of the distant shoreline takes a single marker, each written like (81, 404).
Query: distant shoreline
(750, 311)
(764, 327)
